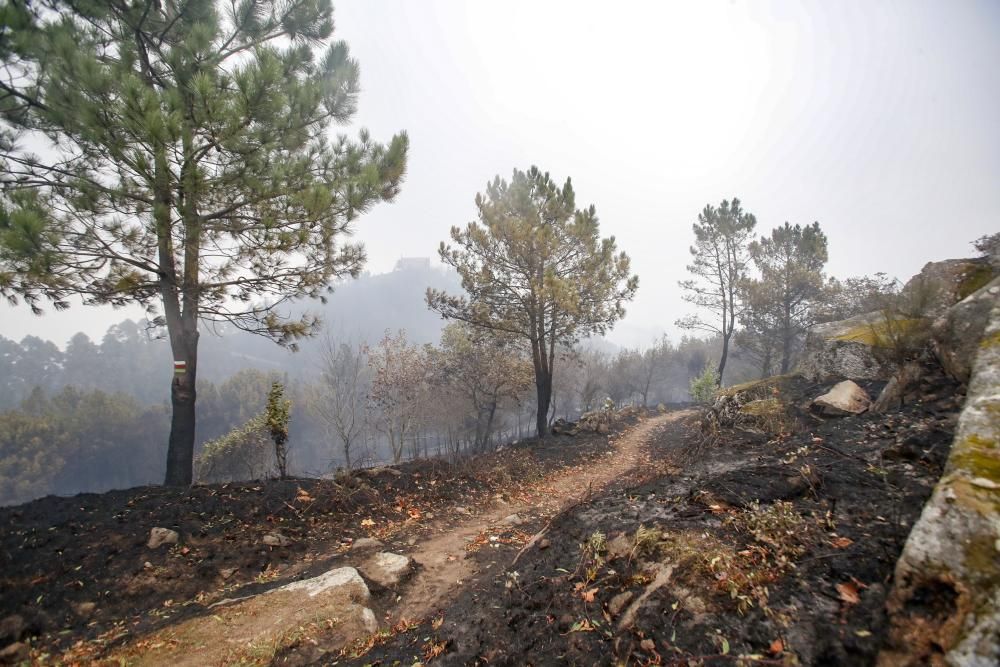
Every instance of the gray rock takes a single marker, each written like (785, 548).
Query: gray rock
(462, 510)
(366, 543)
(619, 602)
(513, 520)
(14, 653)
(227, 572)
(845, 398)
(387, 569)
(952, 555)
(956, 334)
(276, 540)
(843, 349)
(160, 536)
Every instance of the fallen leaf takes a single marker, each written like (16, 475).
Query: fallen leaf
(842, 542)
(862, 633)
(848, 592)
(588, 596)
(367, 523)
(777, 646)
(647, 645)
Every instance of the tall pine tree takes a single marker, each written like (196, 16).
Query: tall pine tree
(176, 154)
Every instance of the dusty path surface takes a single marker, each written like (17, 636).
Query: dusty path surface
(441, 558)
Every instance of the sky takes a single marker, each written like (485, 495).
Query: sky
(877, 119)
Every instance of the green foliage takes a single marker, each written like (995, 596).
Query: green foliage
(780, 303)
(189, 166)
(243, 453)
(277, 415)
(704, 386)
(78, 440)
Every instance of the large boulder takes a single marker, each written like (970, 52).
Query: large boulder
(845, 398)
(256, 628)
(845, 349)
(955, 335)
(945, 604)
(939, 285)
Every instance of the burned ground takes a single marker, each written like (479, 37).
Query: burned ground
(774, 547)
(77, 577)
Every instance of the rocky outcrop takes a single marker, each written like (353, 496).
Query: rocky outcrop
(942, 284)
(845, 398)
(945, 606)
(845, 349)
(955, 335)
(262, 625)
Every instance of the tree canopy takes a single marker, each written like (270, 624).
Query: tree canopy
(176, 155)
(535, 267)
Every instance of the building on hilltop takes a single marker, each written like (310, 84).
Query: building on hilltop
(413, 263)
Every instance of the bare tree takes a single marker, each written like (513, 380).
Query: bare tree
(338, 399)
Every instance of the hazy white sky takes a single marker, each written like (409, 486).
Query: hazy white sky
(878, 119)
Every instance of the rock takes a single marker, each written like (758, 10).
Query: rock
(619, 602)
(896, 389)
(956, 334)
(513, 520)
(544, 544)
(268, 621)
(84, 610)
(603, 428)
(844, 349)
(161, 536)
(945, 604)
(275, 540)
(947, 282)
(14, 654)
(846, 398)
(227, 572)
(12, 628)
(387, 569)
(462, 510)
(366, 543)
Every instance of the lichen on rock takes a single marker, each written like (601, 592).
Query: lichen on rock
(953, 550)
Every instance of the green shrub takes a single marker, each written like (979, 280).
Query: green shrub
(704, 386)
(243, 453)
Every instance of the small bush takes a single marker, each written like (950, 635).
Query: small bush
(277, 415)
(243, 453)
(704, 386)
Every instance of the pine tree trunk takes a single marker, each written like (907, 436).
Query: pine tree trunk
(543, 387)
(180, 450)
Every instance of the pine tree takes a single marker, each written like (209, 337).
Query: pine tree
(535, 267)
(186, 165)
(781, 302)
(722, 239)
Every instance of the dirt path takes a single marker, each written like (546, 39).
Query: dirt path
(442, 561)
(254, 629)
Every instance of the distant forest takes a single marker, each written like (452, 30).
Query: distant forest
(95, 415)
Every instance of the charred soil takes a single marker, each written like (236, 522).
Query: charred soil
(775, 547)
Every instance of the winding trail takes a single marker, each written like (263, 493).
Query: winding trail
(254, 628)
(443, 565)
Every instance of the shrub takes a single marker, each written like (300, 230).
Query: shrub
(277, 415)
(243, 453)
(704, 386)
